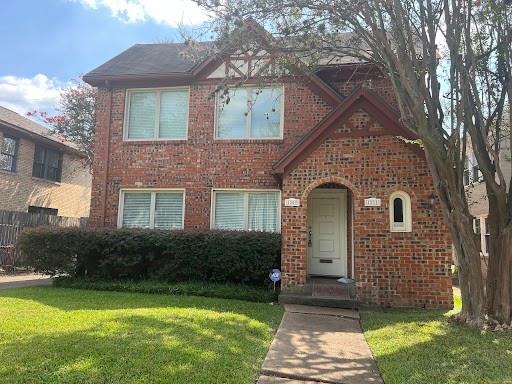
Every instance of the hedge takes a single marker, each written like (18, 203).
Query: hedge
(189, 288)
(206, 256)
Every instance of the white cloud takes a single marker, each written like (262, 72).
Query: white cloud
(170, 12)
(22, 94)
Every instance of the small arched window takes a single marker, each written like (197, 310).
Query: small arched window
(400, 219)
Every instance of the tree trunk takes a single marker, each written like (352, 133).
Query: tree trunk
(499, 280)
(470, 269)
(467, 250)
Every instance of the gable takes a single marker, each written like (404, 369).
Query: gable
(243, 65)
(363, 113)
(258, 60)
(360, 123)
(250, 67)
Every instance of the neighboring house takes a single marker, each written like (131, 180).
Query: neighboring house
(39, 172)
(476, 190)
(320, 158)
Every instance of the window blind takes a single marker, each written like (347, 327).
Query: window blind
(136, 210)
(169, 210)
(158, 114)
(173, 114)
(142, 116)
(246, 210)
(229, 210)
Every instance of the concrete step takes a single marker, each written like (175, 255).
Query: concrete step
(332, 290)
(332, 302)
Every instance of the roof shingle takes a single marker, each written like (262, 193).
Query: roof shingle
(144, 59)
(11, 118)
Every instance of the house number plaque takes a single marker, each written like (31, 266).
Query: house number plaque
(291, 202)
(372, 202)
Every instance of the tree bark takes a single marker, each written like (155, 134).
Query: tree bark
(499, 280)
(460, 225)
(470, 270)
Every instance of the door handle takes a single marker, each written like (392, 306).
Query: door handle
(310, 237)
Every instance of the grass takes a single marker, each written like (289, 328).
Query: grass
(59, 335)
(421, 346)
(223, 291)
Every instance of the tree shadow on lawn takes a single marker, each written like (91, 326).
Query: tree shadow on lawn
(68, 299)
(419, 346)
(137, 349)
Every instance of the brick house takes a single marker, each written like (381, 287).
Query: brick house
(321, 158)
(38, 172)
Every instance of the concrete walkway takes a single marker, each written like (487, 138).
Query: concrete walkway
(319, 345)
(24, 280)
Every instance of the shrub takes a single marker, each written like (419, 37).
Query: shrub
(219, 290)
(213, 256)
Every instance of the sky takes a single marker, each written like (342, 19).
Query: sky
(46, 44)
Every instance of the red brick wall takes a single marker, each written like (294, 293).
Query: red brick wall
(396, 269)
(391, 268)
(197, 164)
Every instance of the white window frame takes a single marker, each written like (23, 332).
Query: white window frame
(249, 116)
(477, 224)
(407, 212)
(156, 131)
(484, 230)
(153, 191)
(474, 164)
(246, 205)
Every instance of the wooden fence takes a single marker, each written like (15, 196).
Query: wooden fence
(13, 223)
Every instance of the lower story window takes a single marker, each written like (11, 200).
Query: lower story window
(162, 209)
(246, 210)
(43, 210)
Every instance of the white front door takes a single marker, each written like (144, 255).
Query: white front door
(327, 233)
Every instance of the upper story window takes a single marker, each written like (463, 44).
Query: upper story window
(487, 236)
(467, 173)
(472, 173)
(47, 164)
(246, 210)
(159, 209)
(8, 153)
(400, 216)
(156, 114)
(476, 174)
(476, 225)
(250, 113)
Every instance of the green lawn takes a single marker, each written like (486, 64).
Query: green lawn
(57, 335)
(419, 346)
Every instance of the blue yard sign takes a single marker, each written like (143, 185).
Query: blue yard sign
(275, 276)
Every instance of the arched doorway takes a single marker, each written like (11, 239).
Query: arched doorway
(329, 231)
